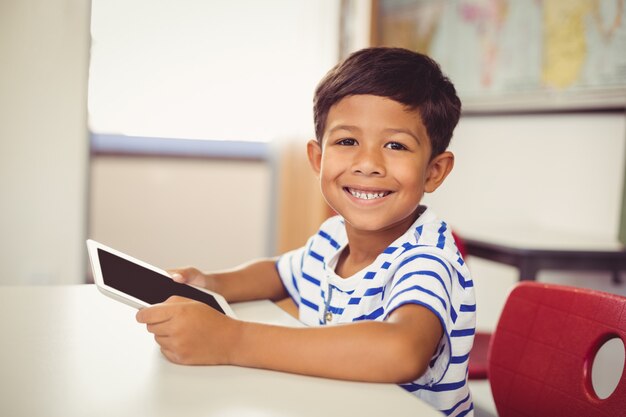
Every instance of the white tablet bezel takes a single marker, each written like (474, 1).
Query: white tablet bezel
(92, 249)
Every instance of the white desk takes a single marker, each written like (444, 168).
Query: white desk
(70, 351)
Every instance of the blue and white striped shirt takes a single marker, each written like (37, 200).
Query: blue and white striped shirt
(422, 267)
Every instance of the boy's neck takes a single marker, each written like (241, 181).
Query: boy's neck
(364, 246)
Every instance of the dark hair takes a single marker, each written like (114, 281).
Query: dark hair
(407, 77)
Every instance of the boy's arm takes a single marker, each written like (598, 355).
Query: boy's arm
(252, 281)
(396, 350)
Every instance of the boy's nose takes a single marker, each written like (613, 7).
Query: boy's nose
(368, 162)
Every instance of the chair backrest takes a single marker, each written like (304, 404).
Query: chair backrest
(460, 244)
(543, 348)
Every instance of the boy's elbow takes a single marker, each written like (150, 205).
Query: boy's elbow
(410, 363)
(412, 370)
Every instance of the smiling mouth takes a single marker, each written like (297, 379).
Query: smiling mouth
(366, 195)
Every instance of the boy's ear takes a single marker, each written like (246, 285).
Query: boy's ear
(314, 151)
(438, 170)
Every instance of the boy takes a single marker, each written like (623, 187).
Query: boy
(382, 286)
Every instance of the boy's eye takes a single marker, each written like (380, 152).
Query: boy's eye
(395, 146)
(347, 142)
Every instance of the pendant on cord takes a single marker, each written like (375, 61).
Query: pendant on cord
(328, 316)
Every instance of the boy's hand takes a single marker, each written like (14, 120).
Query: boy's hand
(189, 275)
(190, 332)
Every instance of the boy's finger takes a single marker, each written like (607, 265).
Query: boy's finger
(176, 299)
(159, 330)
(178, 277)
(156, 314)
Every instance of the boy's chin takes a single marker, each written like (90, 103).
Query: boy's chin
(374, 224)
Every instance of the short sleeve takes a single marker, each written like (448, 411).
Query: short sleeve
(289, 267)
(425, 279)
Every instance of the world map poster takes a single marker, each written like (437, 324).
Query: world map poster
(517, 55)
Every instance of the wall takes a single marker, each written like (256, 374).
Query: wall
(174, 212)
(543, 177)
(218, 69)
(554, 172)
(44, 45)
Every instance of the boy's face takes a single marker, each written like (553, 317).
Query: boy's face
(374, 162)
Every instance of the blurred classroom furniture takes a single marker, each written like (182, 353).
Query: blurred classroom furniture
(532, 252)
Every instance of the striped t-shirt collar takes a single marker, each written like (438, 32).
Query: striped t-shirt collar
(348, 284)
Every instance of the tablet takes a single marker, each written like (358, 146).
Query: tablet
(139, 284)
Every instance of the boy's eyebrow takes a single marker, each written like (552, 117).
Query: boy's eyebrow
(343, 127)
(407, 132)
(388, 130)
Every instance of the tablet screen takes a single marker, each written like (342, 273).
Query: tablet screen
(145, 284)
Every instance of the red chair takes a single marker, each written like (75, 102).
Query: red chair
(543, 348)
(478, 362)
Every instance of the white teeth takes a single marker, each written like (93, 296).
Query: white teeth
(363, 195)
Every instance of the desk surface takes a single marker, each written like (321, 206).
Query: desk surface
(533, 238)
(70, 351)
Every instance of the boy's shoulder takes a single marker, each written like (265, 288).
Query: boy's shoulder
(429, 235)
(426, 230)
